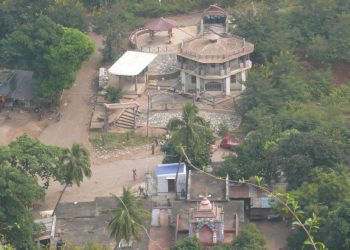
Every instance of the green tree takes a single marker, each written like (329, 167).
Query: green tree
(33, 158)
(52, 51)
(324, 192)
(268, 30)
(75, 165)
(28, 46)
(338, 228)
(193, 133)
(250, 238)
(300, 153)
(114, 94)
(69, 13)
(188, 243)
(129, 217)
(63, 60)
(326, 195)
(18, 193)
(223, 129)
(16, 13)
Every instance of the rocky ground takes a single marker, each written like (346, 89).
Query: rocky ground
(160, 119)
(163, 64)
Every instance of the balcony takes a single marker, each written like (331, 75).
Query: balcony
(215, 72)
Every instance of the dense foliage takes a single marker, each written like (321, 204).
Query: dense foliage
(188, 243)
(18, 192)
(317, 29)
(192, 133)
(297, 119)
(22, 162)
(32, 40)
(249, 238)
(33, 158)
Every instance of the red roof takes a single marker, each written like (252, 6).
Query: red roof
(160, 24)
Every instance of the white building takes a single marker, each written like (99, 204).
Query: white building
(166, 177)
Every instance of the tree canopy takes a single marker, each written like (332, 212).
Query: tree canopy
(128, 217)
(18, 192)
(249, 238)
(188, 243)
(191, 132)
(33, 158)
(297, 118)
(52, 51)
(21, 163)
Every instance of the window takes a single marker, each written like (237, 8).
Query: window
(193, 79)
(233, 79)
(213, 86)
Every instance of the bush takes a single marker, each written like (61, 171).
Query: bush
(223, 129)
(114, 94)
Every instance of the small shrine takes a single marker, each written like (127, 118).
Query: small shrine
(206, 222)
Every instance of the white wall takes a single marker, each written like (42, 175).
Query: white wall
(162, 183)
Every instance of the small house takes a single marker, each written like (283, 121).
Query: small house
(17, 86)
(171, 178)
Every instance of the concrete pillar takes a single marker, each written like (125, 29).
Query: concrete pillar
(198, 85)
(228, 85)
(243, 76)
(226, 26)
(202, 27)
(183, 80)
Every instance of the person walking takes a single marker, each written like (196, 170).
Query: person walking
(134, 174)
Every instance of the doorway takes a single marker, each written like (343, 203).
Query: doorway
(171, 186)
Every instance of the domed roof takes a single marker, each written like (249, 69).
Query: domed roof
(161, 24)
(215, 49)
(205, 204)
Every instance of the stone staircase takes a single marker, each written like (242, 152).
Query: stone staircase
(127, 119)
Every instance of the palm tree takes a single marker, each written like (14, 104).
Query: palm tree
(75, 165)
(193, 133)
(129, 217)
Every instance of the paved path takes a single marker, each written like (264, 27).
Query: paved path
(76, 106)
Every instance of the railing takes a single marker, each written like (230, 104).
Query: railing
(133, 36)
(218, 72)
(217, 56)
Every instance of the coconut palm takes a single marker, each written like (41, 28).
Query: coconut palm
(75, 165)
(193, 133)
(128, 217)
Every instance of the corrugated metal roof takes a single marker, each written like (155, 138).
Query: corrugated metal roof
(171, 168)
(20, 86)
(131, 63)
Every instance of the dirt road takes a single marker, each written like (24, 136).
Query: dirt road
(76, 106)
(107, 177)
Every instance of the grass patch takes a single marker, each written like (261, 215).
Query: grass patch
(109, 141)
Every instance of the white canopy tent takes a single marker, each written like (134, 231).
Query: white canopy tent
(132, 63)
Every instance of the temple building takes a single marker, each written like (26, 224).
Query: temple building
(206, 222)
(214, 61)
